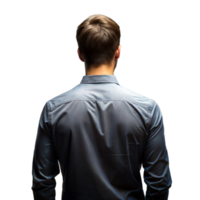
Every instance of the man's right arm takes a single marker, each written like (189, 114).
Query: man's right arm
(155, 161)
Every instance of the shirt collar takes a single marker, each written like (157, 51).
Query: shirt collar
(93, 79)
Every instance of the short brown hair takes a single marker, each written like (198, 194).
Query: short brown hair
(98, 38)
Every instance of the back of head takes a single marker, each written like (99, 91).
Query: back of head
(98, 38)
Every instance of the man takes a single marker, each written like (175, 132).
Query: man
(100, 132)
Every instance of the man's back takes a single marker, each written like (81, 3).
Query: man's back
(101, 133)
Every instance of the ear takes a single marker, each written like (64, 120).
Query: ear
(121, 49)
(117, 54)
(80, 55)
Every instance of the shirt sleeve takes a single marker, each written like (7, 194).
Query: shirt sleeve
(45, 163)
(156, 162)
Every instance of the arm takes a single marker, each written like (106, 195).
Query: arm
(45, 165)
(155, 161)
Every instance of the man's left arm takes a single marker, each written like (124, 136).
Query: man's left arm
(45, 163)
